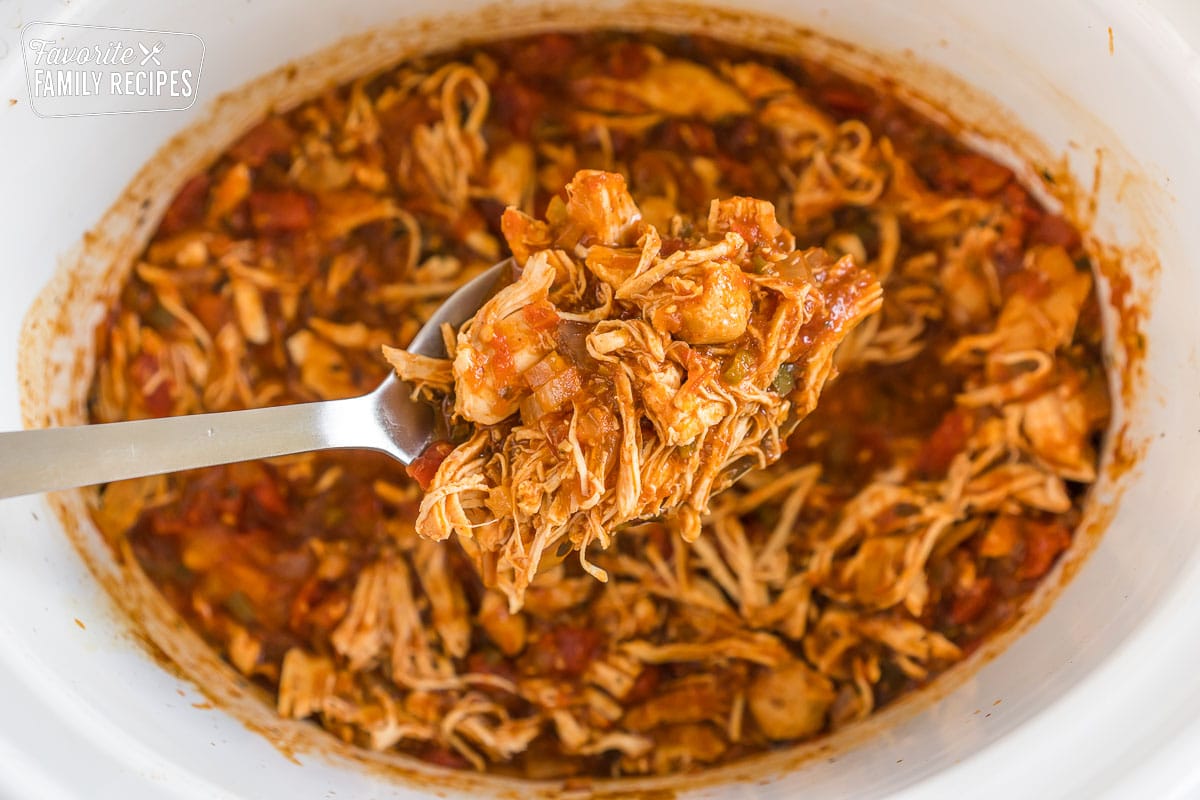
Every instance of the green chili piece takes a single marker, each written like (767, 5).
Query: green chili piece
(239, 605)
(739, 366)
(785, 380)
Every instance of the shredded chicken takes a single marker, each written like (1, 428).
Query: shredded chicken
(632, 366)
(618, 380)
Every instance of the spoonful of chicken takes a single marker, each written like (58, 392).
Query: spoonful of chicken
(631, 371)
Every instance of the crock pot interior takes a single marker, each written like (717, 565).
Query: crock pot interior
(1116, 636)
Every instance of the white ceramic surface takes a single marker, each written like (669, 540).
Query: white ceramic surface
(1100, 698)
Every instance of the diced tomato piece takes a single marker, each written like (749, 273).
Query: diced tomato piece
(643, 688)
(689, 136)
(947, 440)
(748, 230)
(982, 175)
(627, 60)
(501, 363)
(671, 244)
(187, 209)
(556, 49)
(281, 212)
(540, 317)
(159, 401)
(266, 493)
(324, 615)
(1043, 543)
(426, 465)
(303, 602)
(737, 174)
(443, 757)
(845, 99)
(212, 310)
(1017, 200)
(744, 134)
(268, 138)
(970, 602)
(1053, 230)
(1009, 251)
(491, 663)
(548, 55)
(517, 107)
(564, 649)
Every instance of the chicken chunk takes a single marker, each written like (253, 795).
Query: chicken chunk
(509, 334)
(673, 87)
(712, 308)
(791, 701)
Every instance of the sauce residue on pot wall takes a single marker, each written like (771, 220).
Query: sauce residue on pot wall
(57, 349)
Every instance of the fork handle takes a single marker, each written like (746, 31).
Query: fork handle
(62, 458)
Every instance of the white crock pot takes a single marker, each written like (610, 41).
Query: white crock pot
(1097, 698)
